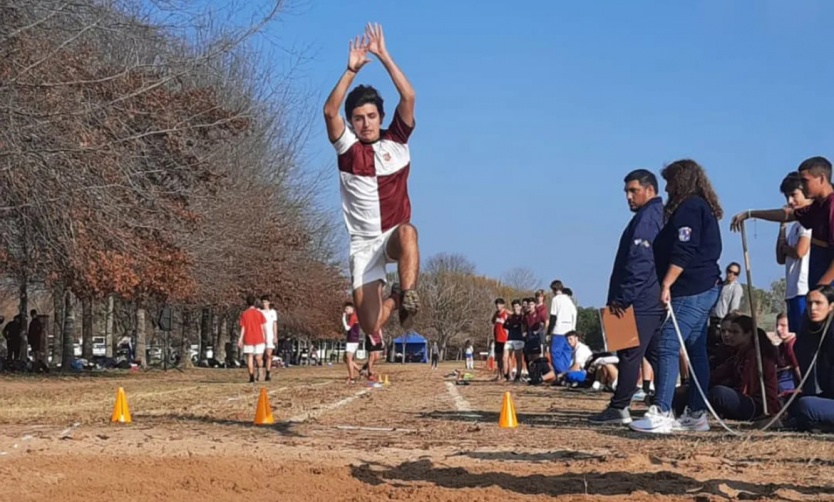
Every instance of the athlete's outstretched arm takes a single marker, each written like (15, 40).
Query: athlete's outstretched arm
(377, 47)
(357, 58)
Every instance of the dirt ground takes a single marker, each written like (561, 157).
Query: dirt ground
(420, 438)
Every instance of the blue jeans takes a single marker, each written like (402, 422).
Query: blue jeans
(692, 313)
(812, 412)
(732, 404)
(796, 309)
(561, 354)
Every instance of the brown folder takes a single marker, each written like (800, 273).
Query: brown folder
(619, 332)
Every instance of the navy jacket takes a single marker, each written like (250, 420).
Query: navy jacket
(634, 279)
(691, 239)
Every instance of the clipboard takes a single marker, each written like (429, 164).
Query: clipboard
(619, 332)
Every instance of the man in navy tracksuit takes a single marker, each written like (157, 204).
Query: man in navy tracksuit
(634, 284)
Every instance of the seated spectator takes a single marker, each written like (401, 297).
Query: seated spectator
(815, 409)
(787, 367)
(580, 355)
(605, 371)
(538, 367)
(736, 391)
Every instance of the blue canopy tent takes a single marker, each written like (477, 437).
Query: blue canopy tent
(415, 348)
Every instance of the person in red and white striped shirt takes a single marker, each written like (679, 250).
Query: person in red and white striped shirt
(374, 164)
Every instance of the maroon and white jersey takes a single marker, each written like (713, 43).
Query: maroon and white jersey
(374, 179)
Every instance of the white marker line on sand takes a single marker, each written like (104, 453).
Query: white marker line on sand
(460, 403)
(330, 407)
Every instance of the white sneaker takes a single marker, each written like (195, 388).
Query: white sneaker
(655, 422)
(692, 421)
(596, 385)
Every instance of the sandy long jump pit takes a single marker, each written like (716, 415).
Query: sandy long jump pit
(192, 437)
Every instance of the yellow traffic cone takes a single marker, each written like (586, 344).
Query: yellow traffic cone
(121, 411)
(385, 380)
(508, 420)
(263, 415)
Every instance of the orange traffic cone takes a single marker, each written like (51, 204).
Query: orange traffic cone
(490, 363)
(121, 412)
(508, 420)
(263, 415)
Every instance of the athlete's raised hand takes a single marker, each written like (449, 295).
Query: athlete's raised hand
(358, 56)
(376, 39)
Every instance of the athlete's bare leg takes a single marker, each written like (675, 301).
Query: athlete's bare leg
(402, 247)
(373, 312)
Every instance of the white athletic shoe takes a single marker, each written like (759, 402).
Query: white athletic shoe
(655, 422)
(692, 421)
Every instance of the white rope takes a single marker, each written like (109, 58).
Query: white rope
(694, 376)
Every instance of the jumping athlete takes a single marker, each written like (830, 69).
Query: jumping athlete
(374, 164)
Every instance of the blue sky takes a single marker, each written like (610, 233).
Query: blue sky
(529, 114)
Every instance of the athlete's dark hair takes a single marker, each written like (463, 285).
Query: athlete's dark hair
(826, 291)
(557, 285)
(745, 322)
(516, 302)
(644, 177)
(347, 304)
(792, 183)
(499, 301)
(362, 95)
(250, 301)
(265, 298)
(819, 166)
(780, 316)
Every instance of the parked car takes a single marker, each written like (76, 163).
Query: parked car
(99, 346)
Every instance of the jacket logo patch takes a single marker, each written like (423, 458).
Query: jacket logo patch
(642, 242)
(684, 234)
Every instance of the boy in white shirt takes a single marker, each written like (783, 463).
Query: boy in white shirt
(581, 354)
(792, 251)
(271, 331)
(562, 321)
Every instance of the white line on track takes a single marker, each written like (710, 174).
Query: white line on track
(330, 407)
(461, 404)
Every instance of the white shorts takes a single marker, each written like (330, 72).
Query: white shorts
(515, 345)
(368, 257)
(254, 349)
(351, 348)
(270, 343)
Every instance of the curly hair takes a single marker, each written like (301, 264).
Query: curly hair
(685, 179)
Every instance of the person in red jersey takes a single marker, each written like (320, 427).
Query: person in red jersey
(252, 337)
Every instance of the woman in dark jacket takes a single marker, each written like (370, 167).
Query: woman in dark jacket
(737, 391)
(815, 409)
(686, 253)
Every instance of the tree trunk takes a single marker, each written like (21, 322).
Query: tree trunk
(141, 326)
(57, 324)
(87, 328)
(205, 332)
(24, 316)
(232, 337)
(109, 335)
(185, 345)
(67, 355)
(220, 343)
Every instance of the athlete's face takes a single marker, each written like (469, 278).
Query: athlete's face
(366, 121)
(814, 184)
(818, 306)
(734, 336)
(797, 199)
(782, 328)
(637, 195)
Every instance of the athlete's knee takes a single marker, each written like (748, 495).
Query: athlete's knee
(407, 233)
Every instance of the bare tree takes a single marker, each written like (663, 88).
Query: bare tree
(521, 278)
